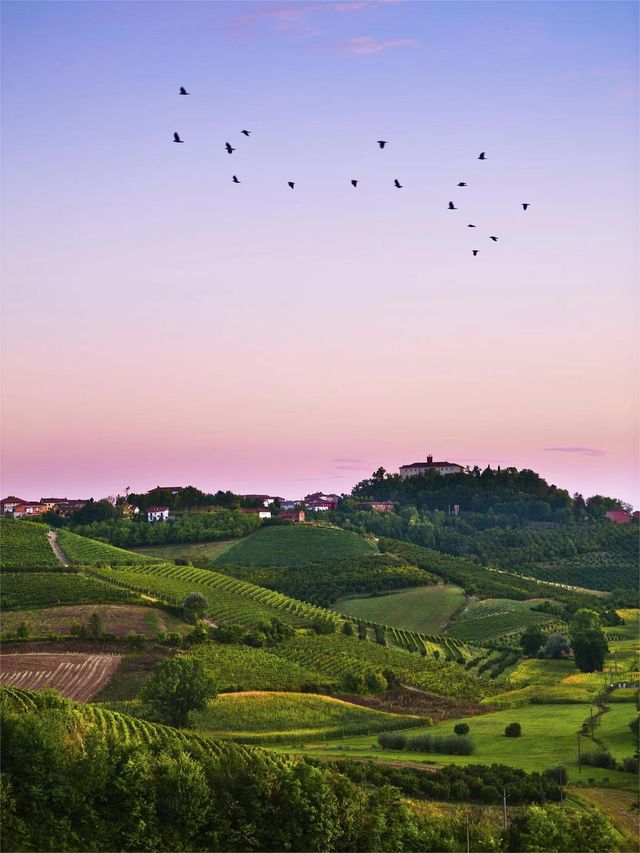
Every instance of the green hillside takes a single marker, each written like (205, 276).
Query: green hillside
(296, 545)
(26, 590)
(24, 547)
(426, 609)
(81, 551)
(496, 617)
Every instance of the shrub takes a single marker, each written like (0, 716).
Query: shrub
(444, 744)
(391, 740)
(461, 729)
(513, 730)
(557, 774)
(194, 606)
(135, 641)
(629, 765)
(599, 758)
(347, 629)
(22, 632)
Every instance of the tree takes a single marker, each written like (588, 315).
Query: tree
(554, 829)
(461, 728)
(531, 641)
(194, 606)
(556, 647)
(22, 632)
(94, 625)
(513, 730)
(347, 629)
(176, 688)
(95, 511)
(589, 650)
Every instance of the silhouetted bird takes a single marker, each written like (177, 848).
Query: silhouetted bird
(235, 180)
(525, 206)
(482, 156)
(471, 226)
(230, 150)
(452, 206)
(291, 184)
(354, 183)
(246, 132)
(176, 138)
(183, 91)
(397, 184)
(462, 184)
(474, 252)
(495, 239)
(382, 142)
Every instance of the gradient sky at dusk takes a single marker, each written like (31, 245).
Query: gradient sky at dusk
(162, 325)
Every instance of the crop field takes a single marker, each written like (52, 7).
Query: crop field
(186, 550)
(424, 609)
(24, 591)
(614, 731)
(24, 547)
(493, 617)
(296, 545)
(230, 600)
(76, 676)
(258, 717)
(333, 655)
(118, 619)
(245, 668)
(617, 566)
(81, 551)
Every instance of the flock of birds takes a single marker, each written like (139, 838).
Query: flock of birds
(354, 183)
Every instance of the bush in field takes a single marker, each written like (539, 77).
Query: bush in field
(599, 758)
(443, 744)
(558, 774)
(461, 729)
(194, 606)
(513, 730)
(376, 682)
(392, 740)
(347, 629)
(176, 688)
(22, 631)
(353, 682)
(630, 765)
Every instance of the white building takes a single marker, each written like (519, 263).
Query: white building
(158, 513)
(417, 468)
(261, 513)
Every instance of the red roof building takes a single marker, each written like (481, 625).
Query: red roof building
(7, 505)
(415, 469)
(294, 515)
(618, 516)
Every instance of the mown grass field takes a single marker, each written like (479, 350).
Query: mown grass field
(24, 547)
(266, 717)
(28, 590)
(245, 668)
(494, 617)
(614, 731)
(119, 619)
(81, 551)
(426, 609)
(296, 545)
(186, 550)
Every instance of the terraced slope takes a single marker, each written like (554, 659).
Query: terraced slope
(81, 551)
(24, 547)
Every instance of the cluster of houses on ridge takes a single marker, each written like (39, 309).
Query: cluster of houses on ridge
(20, 508)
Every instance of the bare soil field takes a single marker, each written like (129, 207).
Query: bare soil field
(75, 675)
(119, 619)
(412, 702)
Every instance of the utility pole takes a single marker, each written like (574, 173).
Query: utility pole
(468, 836)
(591, 712)
(504, 808)
(579, 762)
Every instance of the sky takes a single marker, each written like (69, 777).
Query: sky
(163, 325)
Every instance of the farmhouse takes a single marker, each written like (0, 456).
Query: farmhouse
(158, 513)
(8, 505)
(294, 515)
(66, 507)
(319, 502)
(618, 516)
(261, 513)
(265, 500)
(415, 469)
(378, 506)
(29, 508)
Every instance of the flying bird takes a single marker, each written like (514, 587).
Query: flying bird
(474, 252)
(382, 142)
(291, 184)
(471, 226)
(246, 132)
(482, 156)
(462, 184)
(397, 184)
(235, 180)
(183, 91)
(354, 183)
(525, 206)
(495, 239)
(452, 206)
(230, 150)
(176, 138)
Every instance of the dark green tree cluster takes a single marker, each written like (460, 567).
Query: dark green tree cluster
(588, 641)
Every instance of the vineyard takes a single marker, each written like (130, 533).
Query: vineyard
(230, 600)
(74, 675)
(23, 591)
(24, 547)
(81, 551)
(245, 668)
(118, 619)
(334, 655)
(277, 717)
(493, 617)
(296, 545)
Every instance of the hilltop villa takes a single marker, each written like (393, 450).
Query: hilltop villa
(417, 468)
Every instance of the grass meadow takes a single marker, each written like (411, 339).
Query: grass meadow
(186, 550)
(426, 609)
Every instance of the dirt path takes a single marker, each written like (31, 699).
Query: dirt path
(55, 547)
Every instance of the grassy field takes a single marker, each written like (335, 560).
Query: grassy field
(28, 590)
(494, 617)
(426, 608)
(186, 550)
(549, 737)
(88, 552)
(614, 731)
(267, 717)
(24, 547)
(117, 619)
(296, 545)
(245, 668)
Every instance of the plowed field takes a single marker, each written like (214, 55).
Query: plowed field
(76, 676)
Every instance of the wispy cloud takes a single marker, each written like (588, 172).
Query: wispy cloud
(348, 464)
(292, 14)
(366, 45)
(582, 451)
